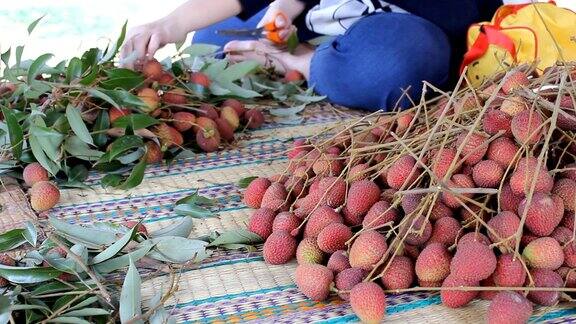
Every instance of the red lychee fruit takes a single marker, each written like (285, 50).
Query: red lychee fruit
(361, 196)
(509, 307)
(433, 263)
(293, 76)
(514, 105)
(566, 190)
(33, 173)
(544, 253)
(569, 171)
(379, 214)
(208, 139)
(403, 173)
(165, 78)
(314, 280)
(208, 111)
(183, 120)
(474, 147)
(367, 250)
(285, 221)
(458, 298)
(487, 174)
(279, 248)
(446, 231)
(236, 104)
(442, 159)
(545, 278)
(334, 237)
(204, 123)
(319, 219)
(254, 118)
(255, 192)
(44, 195)
(175, 96)
(152, 69)
(153, 153)
(527, 127)
(115, 113)
(503, 151)
(503, 226)
(200, 79)
(496, 121)
(231, 116)
(543, 213)
(419, 231)
(168, 136)
(474, 237)
(526, 172)
(275, 197)
(399, 275)
(150, 98)
(458, 181)
(465, 263)
(327, 165)
(368, 302)
(347, 279)
(403, 121)
(261, 221)
(338, 261)
(514, 81)
(308, 252)
(509, 271)
(225, 130)
(508, 200)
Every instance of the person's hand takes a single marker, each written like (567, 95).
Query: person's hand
(290, 9)
(146, 39)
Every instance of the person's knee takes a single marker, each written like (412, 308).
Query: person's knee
(374, 67)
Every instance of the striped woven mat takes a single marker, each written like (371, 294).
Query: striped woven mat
(235, 286)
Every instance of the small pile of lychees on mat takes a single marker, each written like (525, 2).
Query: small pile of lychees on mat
(471, 194)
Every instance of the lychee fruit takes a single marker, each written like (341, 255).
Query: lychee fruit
(153, 153)
(503, 226)
(514, 105)
(208, 139)
(275, 197)
(254, 118)
(175, 97)
(327, 165)
(487, 174)
(150, 98)
(183, 120)
(367, 250)
(279, 248)
(399, 275)
(442, 159)
(458, 181)
(496, 121)
(380, 213)
(419, 231)
(204, 123)
(115, 113)
(508, 200)
(338, 261)
(308, 252)
(410, 202)
(509, 271)
(514, 81)
(465, 263)
(474, 237)
(152, 69)
(208, 111)
(285, 221)
(225, 130)
(544, 253)
(403, 173)
(169, 136)
(569, 171)
(255, 192)
(509, 307)
(231, 116)
(333, 191)
(433, 263)
(445, 230)
(440, 210)
(403, 121)
(368, 302)
(457, 298)
(319, 219)
(473, 147)
(165, 78)
(44, 195)
(33, 173)
(543, 213)
(358, 172)
(200, 79)
(314, 280)
(361, 196)
(236, 104)
(334, 237)
(261, 221)
(293, 76)
(526, 172)
(527, 127)
(347, 279)
(503, 151)
(545, 278)
(566, 189)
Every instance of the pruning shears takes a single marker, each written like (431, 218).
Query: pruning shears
(269, 31)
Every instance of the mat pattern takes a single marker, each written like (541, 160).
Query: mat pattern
(235, 286)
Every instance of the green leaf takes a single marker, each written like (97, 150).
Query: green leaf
(36, 66)
(132, 156)
(123, 144)
(5, 309)
(68, 320)
(124, 260)
(237, 71)
(178, 249)
(74, 70)
(196, 199)
(77, 124)
(124, 98)
(18, 307)
(239, 91)
(307, 98)
(215, 69)
(112, 51)
(130, 296)
(101, 123)
(78, 173)
(245, 182)
(19, 51)
(87, 312)
(200, 49)
(50, 288)
(284, 112)
(135, 121)
(79, 149)
(238, 236)
(193, 211)
(48, 138)
(136, 176)
(14, 131)
(41, 157)
(181, 228)
(28, 275)
(12, 239)
(113, 249)
(5, 57)
(85, 303)
(122, 78)
(292, 42)
(88, 235)
(101, 95)
(111, 180)
(33, 25)
(30, 234)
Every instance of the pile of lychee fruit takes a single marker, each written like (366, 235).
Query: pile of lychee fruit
(184, 121)
(472, 195)
(44, 194)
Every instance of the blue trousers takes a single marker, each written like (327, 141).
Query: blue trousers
(369, 66)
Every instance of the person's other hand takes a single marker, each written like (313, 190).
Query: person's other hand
(290, 10)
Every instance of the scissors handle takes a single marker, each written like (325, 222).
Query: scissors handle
(272, 30)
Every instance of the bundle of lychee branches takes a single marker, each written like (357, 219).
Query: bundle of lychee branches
(89, 113)
(472, 194)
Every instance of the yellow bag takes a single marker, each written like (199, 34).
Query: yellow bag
(539, 33)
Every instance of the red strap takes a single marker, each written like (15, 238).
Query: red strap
(488, 35)
(507, 10)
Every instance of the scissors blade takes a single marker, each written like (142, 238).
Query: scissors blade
(241, 32)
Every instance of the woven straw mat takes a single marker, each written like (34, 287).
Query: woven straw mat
(237, 286)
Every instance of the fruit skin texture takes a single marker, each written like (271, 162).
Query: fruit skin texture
(545, 278)
(309, 252)
(169, 136)
(150, 99)
(224, 129)
(207, 111)
(368, 302)
(495, 121)
(361, 196)
(433, 263)
(509, 271)
(566, 189)
(474, 148)
(208, 139)
(367, 250)
(465, 263)
(237, 105)
(515, 81)
(183, 120)
(254, 118)
(508, 200)
(505, 224)
(445, 231)
(231, 116)
(314, 280)
(347, 279)
(255, 192)
(293, 75)
(544, 253)
(285, 221)
(502, 151)
(152, 69)
(474, 237)
(400, 274)
(509, 307)
(379, 214)
(403, 172)
(175, 96)
(457, 181)
(338, 261)
(153, 153)
(487, 174)
(527, 127)
(261, 222)
(141, 228)
(334, 237)
(279, 248)
(442, 161)
(115, 113)
(543, 213)
(457, 298)
(44, 195)
(319, 219)
(34, 172)
(525, 172)
(200, 78)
